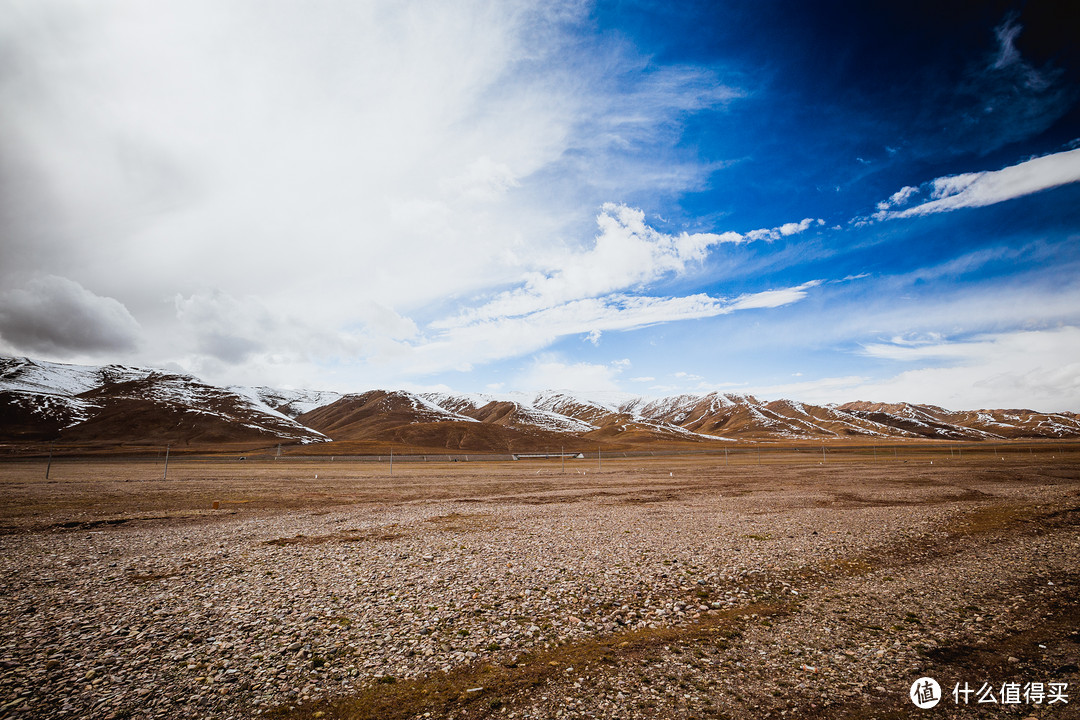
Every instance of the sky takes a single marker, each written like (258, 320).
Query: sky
(827, 201)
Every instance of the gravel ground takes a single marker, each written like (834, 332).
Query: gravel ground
(772, 598)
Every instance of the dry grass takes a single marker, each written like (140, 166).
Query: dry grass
(999, 517)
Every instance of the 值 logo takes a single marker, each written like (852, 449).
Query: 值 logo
(925, 693)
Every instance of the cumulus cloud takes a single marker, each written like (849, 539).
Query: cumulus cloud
(55, 315)
(227, 329)
(590, 292)
(979, 189)
(476, 135)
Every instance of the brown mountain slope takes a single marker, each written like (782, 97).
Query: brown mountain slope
(379, 418)
(25, 418)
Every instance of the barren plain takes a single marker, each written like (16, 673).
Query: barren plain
(783, 585)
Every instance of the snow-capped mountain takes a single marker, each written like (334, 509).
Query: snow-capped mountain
(115, 403)
(628, 419)
(45, 401)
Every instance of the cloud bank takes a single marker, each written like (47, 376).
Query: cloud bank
(51, 315)
(1022, 369)
(313, 163)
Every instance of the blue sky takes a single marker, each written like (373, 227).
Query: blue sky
(822, 201)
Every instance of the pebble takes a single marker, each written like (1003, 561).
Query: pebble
(211, 620)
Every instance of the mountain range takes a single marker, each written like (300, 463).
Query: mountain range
(117, 405)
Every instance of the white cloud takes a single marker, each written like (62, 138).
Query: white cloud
(988, 188)
(54, 315)
(627, 253)
(1006, 34)
(483, 180)
(233, 339)
(773, 298)
(511, 336)
(781, 231)
(549, 372)
(1038, 370)
(918, 305)
(316, 160)
(906, 350)
(900, 197)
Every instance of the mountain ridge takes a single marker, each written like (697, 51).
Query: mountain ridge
(46, 401)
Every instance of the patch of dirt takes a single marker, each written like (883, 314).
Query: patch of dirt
(463, 522)
(347, 536)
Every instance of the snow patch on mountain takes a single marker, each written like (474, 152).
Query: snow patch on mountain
(73, 394)
(48, 378)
